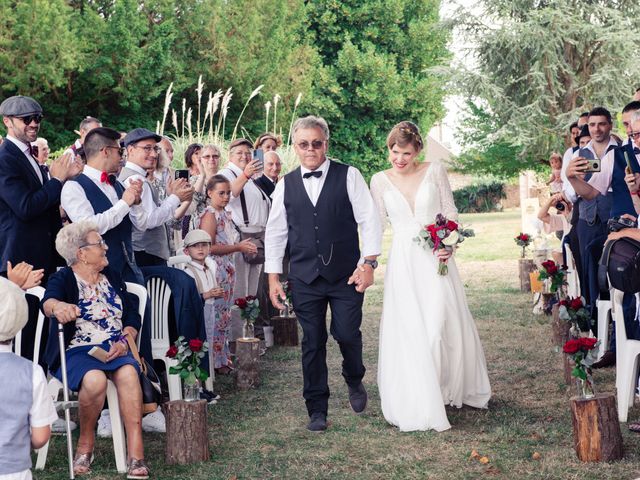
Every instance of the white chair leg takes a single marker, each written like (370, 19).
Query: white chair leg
(209, 384)
(53, 386)
(604, 309)
(117, 429)
(173, 381)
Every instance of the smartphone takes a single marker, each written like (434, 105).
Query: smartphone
(627, 159)
(181, 174)
(258, 154)
(99, 353)
(593, 163)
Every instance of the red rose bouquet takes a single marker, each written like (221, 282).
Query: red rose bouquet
(249, 307)
(551, 270)
(582, 351)
(574, 310)
(523, 240)
(188, 355)
(442, 234)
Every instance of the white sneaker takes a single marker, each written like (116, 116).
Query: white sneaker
(154, 422)
(104, 424)
(60, 426)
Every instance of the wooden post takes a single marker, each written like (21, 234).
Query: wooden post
(285, 331)
(525, 266)
(247, 363)
(187, 438)
(567, 367)
(560, 328)
(596, 431)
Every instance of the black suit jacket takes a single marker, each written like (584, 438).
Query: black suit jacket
(266, 185)
(29, 212)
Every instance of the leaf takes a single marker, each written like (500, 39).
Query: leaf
(484, 460)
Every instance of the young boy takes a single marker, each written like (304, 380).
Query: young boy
(197, 245)
(26, 408)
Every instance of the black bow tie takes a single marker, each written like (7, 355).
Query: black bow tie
(636, 150)
(316, 174)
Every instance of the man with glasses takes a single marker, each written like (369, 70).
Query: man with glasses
(29, 199)
(86, 125)
(317, 211)
(150, 237)
(249, 207)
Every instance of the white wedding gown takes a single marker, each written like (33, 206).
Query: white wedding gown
(430, 354)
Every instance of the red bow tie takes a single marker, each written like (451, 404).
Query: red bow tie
(106, 178)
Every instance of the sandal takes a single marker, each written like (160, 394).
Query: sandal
(82, 463)
(138, 470)
(634, 427)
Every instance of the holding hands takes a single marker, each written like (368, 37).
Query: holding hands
(362, 277)
(247, 246)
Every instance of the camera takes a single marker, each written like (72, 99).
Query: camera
(593, 165)
(616, 224)
(560, 206)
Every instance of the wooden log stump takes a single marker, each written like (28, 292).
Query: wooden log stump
(596, 431)
(247, 363)
(567, 367)
(187, 438)
(525, 267)
(560, 328)
(547, 298)
(285, 331)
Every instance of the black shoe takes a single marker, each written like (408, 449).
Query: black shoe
(317, 422)
(607, 360)
(209, 396)
(358, 398)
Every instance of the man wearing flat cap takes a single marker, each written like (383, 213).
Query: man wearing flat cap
(249, 207)
(150, 238)
(29, 200)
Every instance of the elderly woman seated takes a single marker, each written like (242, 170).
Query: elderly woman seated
(92, 303)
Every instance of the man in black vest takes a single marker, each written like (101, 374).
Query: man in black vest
(316, 211)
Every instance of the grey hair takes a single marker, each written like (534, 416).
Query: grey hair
(72, 237)
(212, 147)
(635, 117)
(311, 121)
(273, 152)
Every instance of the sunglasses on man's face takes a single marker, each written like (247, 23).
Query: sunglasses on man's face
(31, 118)
(315, 145)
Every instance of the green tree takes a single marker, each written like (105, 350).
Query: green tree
(378, 53)
(540, 63)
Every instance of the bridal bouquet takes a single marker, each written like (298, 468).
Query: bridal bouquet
(442, 234)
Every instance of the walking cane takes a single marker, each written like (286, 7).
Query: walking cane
(65, 395)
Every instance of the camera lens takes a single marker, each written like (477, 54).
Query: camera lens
(560, 206)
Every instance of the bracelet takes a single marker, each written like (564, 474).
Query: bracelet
(246, 176)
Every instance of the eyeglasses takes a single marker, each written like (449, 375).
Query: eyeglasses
(634, 135)
(315, 145)
(210, 156)
(120, 149)
(102, 243)
(148, 148)
(241, 153)
(31, 118)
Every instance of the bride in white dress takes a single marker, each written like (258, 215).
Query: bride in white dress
(430, 354)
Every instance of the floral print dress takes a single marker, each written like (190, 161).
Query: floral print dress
(225, 278)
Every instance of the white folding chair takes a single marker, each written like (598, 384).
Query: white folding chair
(17, 341)
(627, 352)
(573, 282)
(140, 292)
(159, 293)
(604, 314)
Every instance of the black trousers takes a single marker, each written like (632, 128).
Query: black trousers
(144, 259)
(310, 303)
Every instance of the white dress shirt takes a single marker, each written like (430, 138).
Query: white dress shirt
(74, 201)
(256, 199)
(364, 212)
(26, 149)
(567, 188)
(147, 214)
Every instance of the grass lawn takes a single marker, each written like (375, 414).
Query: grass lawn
(260, 434)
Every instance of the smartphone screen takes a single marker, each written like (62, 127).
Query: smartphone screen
(182, 174)
(258, 154)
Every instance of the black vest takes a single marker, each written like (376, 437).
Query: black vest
(120, 253)
(323, 240)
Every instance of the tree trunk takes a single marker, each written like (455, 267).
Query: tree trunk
(285, 331)
(596, 431)
(560, 328)
(186, 440)
(526, 266)
(247, 363)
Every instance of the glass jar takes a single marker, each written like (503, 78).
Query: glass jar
(191, 392)
(248, 330)
(585, 387)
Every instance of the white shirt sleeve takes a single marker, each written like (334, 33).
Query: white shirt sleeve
(74, 201)
(567, 188)
(365, 213)
(147, 214)
(43, 411)
(275, 240)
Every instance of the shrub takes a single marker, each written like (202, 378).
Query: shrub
(480, 197)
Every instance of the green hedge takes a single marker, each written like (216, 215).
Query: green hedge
(480, 197)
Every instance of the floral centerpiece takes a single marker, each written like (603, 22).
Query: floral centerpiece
(249, 307)
(574, 310)
(582, 351)
(442, 234)
(189, 355)
(523, 240)
(556, 273)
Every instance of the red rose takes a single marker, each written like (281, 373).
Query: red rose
(195, 345)
(547, 263)
(563, 303)
(576, 303)
(552, 269)
(587, 343)
(432, 229)
(571, 347)
(172, 352)
(241, 303)
(249, 298)
(451, 225)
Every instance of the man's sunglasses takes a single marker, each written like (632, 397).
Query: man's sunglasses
(315, 145)
(31, 118)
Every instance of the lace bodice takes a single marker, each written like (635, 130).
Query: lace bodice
(433, 196)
